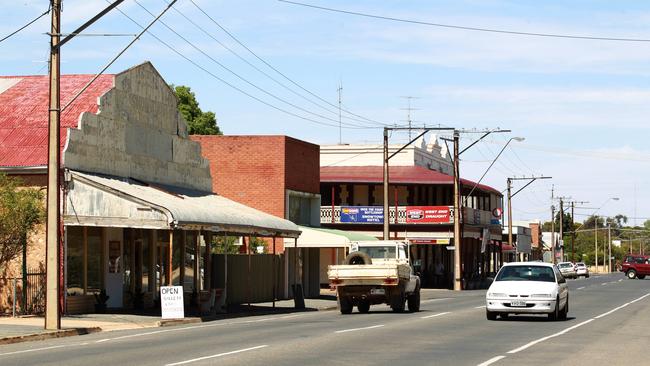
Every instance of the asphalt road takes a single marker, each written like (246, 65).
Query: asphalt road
(609, 323)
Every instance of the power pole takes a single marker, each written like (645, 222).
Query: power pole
(53, 235)
(552, 225)
(609, 243)
(562, 227)
(339, 90)
(457, 231)
(386, 218)
(573, 233)
(596, 241)
(509, 183)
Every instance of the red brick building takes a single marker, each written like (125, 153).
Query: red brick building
(275, 174)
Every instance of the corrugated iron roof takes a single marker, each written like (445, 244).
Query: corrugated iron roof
(191, 207)
(397, 175)
(24, 114)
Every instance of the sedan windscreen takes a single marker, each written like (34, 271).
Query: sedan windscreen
(526, 273)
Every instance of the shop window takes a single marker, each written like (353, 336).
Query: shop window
(75, 260)
(188, 263)
(176, 258)
(95, 268)
(300, 210)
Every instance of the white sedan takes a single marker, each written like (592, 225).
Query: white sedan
(528, 288)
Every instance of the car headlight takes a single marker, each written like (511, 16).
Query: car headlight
(542, 296)
(496, 294)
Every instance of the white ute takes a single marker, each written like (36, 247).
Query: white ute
(375, 272)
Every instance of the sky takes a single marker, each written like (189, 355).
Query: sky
(581, 105)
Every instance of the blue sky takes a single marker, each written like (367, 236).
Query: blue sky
(581, 105)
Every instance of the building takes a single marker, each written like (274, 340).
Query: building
(138, 208)
(420, 207)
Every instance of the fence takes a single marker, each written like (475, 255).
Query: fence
(24, 298)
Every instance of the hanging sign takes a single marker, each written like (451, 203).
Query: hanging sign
(428, 215)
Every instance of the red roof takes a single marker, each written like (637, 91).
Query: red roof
(24, 114)
(396, 174)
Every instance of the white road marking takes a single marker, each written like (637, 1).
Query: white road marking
(434, 315)
(356, 329)
(580, 288)
(33, 350)
(621, 280)
(492, 360)
(480, 307)
(549, 337)
(577, 325)
(432, 300)
(604, 283)
(217, 355)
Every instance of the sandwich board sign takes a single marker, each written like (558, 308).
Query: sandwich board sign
(171, 302)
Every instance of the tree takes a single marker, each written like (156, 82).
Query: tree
(646, 224)
(20, 211)
(198, 122)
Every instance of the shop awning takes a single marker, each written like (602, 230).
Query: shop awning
(312, 237)
(109, 201)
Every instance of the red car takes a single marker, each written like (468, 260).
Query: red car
(636, 266)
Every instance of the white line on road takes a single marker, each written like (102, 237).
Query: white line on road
(480, 307)
(621, 280)
(492, 360)
(580, 288)
(32, 350)
(217, 355)
(355, 329)
(432, 300)
(549, 337)
(604, 283)
(434, 315)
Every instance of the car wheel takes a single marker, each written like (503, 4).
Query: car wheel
(586, 276)
(364, 306)
(490, 315)
(565, 311)
(414, 301)
(504, 316)
(640, 277)
(345, 305)
(555, 314)
(631, 274)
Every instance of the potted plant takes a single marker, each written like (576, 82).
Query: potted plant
(100, 301)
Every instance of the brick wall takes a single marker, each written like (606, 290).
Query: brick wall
(302, 166)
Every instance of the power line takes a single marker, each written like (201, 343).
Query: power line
(222, 80)
(156, 18)
(474, 29)
(257, 68)
(278, 71)
(247, 81)
(25, 26)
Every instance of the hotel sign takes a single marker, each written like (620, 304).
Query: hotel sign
(362, 214)
(429, 215)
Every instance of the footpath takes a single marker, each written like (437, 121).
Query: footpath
(31, 328)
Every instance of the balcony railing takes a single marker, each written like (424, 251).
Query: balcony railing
(416, 215)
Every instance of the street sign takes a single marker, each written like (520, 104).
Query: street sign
(171, 302)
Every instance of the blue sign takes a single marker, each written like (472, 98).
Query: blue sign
(362, 214)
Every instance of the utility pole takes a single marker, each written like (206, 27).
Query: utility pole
(53, 235)
(573, 233)
(596, 241)
(509, 182)
(552, 225)
(340, 134)
(562, 227)
(609, 243)
(457, 231)
(386, 233)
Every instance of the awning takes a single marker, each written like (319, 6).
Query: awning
(101, 200)
(312, 237)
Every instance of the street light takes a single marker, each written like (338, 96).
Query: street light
(596, 233)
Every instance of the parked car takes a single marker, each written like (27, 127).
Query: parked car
(636, 266)
(567, 269)
(582, 270)
(528, 288)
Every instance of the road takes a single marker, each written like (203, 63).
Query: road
(608, 324)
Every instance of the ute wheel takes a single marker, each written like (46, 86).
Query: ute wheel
(358, 258)
(555, 314)
(414, 301)
(345, 305)
(364, 306)
(640, 277)
(397, 303)
(490, 315)
(631, 274)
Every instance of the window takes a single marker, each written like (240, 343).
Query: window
(526, 273)
(75, 260)
(95, 268)
(300, 210)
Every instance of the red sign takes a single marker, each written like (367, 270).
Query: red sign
(428, 215)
